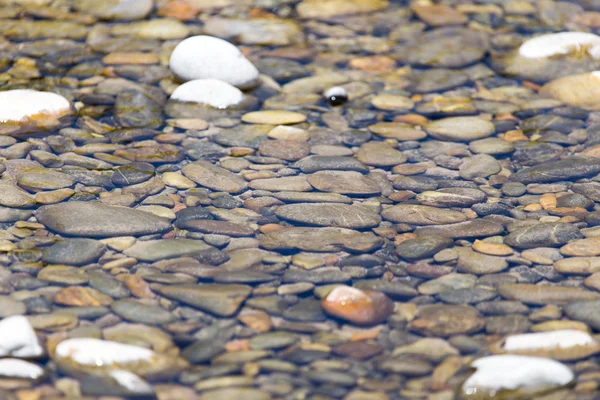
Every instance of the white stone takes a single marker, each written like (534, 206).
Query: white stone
(213, 92)
(510, 372)
(130, 381)
(201, 57)
(347, 294)
(336, 91)
(89, 351)
(14, 368)
(547, 340)
(560, 43)
(20, 104)
(18, 339)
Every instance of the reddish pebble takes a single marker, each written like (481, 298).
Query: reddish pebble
(362, 307)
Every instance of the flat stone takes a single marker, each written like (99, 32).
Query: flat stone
(562, 170)
(94, 219)
(136, 311)
(219, 299)
(452, 197)
(37, 179)
(320, 239)
(447, 320)
(379, 154)
(476, 263)
(289, 150)
(467, 229)
(582, 248)
(398, 131)
(74, 252)
(460, 129)
(415, 214)
(578, 265)
(13, 196)
(274, 117)
(584, 311)
(286, 183)
(81, 297)
(208, 175)
(344, 182)
(154, 250)
(334, 8)
(312, 197)
(318, 163)
(542, 235)
(334, 215)
(424, 247)
(543, 295)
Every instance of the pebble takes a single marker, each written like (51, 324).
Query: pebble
(154, 250)
(94, 219)
(74, 252)
(422, 215)
(336, 215)
(206, 57)
(537, 294)
(460, 129)
(379, 155)
(273, 117)
(212, 92)
(213, 177)
(320, 239)
(344, 182)
(357, 306)
(542, 235)
(219, 299)
(121, 9)
(442, 320)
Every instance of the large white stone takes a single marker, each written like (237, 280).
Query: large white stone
(15, 368)
(89, 351)
(207, 57)
(213, 92)
(510, 372)
(22, 104)
(18, 339)
(547, 340)
(560, 43)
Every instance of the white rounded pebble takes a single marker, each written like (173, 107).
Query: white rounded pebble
(336, 91)
(18, 339)
(213, 92)
(547, 340)
(130, 381)
(89, 351)
(560, 43)
(14, 368)
(202, 57)
(20, 104)
(509, 372)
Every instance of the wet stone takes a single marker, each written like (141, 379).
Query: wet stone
(416, 249)
(313, 164)
(447, 320)
(132, 174)
(213, 177)
(555, 171)
(135, 311)
(544, 234)
(133, 109)
(74, 252)
(98, 220)
(219, 299)
(344, 182)
(336, 215)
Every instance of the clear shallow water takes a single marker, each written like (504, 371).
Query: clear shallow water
(214, 237)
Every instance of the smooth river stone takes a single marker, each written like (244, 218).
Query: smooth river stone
(321, 239)
(578, 265)
(562, 170)
(335, 215)
(154, 250)
(415, 214)
(344, 182)
(582, 248)
(452, 197)
(95, 219)
(213, 177)
(447, 320)
(13, 196)
(460, 129)
(73, 252)
(469, 229)
(471, 262)
(218, 227)
(542, 235)
(585, 311)
(545, 294)
(219, 299)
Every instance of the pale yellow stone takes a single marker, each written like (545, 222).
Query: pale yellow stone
(282, 132)
(392, 102)
(196, 124)
(274, 117)
(6, 246)
(126, 263)
(159, 211)
(54, 196)
(494, 249)
(177, 180)
(560, 325)
(119, 243)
